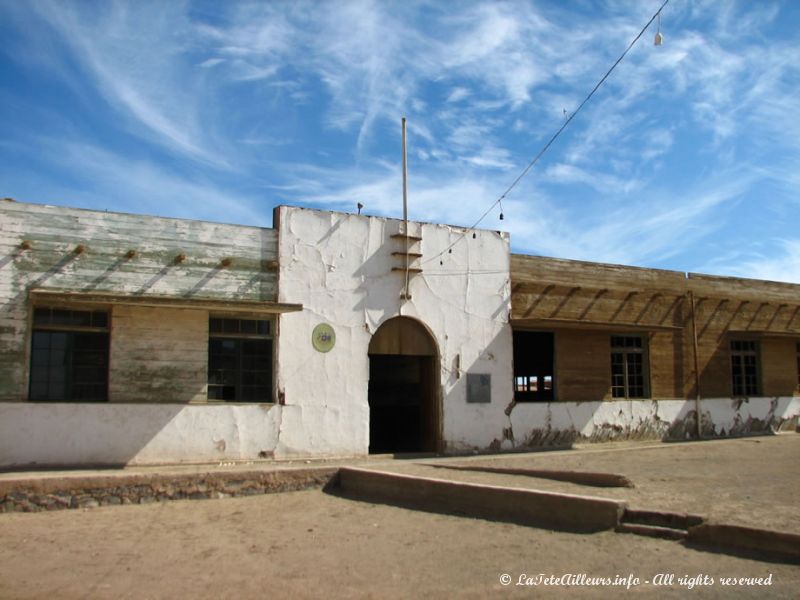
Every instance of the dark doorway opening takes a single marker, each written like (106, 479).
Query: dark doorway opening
(403, 386)
(399, 403)
(534, 353)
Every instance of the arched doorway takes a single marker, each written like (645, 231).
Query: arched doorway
(403, 388)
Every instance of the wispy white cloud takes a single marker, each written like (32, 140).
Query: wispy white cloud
(133, 56)
(458, 94)
(212, 62)
(642, 231)
(779, 262)
(604, 183)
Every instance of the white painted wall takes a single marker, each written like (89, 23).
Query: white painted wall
(73, 434)
(339, 267)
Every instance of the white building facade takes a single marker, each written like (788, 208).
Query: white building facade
(128, 339)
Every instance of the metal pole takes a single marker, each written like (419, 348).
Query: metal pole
(405, 180)
(405, 206)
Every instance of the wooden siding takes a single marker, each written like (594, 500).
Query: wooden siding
(583, 365)
(120, 254)
(667, 371)
(158, 355)
(584, 303)
(779, 367)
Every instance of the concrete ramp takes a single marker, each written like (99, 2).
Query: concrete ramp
(549, 510)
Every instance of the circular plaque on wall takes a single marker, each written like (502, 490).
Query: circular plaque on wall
(323, 338)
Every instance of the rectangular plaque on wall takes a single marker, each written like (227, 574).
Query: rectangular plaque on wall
(479, 388)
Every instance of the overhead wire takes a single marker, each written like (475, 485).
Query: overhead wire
(552, 139)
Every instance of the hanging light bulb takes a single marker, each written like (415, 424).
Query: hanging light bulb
(659, 38)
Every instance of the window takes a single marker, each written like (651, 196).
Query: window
(240, 360)
(69, 355)
(628, 367)
(533, 366)
(744, 368)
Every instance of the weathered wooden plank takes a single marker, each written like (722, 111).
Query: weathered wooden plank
(156, 346)
(157, 376)
(597, 275)
(666, 364)
(779, 367)
(75, 218)
(598, 306)
(587, 298)
(737, 287)
(583, 365)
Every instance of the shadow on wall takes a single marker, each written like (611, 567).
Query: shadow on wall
(111, 434)
(476, 396)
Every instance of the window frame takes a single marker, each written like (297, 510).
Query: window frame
(97, 323)
(755, 353)
(224, 330)
(627, 352)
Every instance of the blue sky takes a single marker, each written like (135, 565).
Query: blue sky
(687, 158)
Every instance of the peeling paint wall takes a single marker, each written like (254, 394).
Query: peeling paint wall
(158, 354)
(339, 267)
(563, 423)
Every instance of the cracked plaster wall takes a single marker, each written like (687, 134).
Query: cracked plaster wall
(561, 423)
(339, 266)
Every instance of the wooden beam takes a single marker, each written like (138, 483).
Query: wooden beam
(763, 333)
(56, 297)
(582, 323)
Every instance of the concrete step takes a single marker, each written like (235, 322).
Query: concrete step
(565, 512)
(577, 477)
(654, 518)
(655, 531)
(747, 541)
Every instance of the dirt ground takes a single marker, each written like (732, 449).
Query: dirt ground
(316, 545)
(748, 481)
